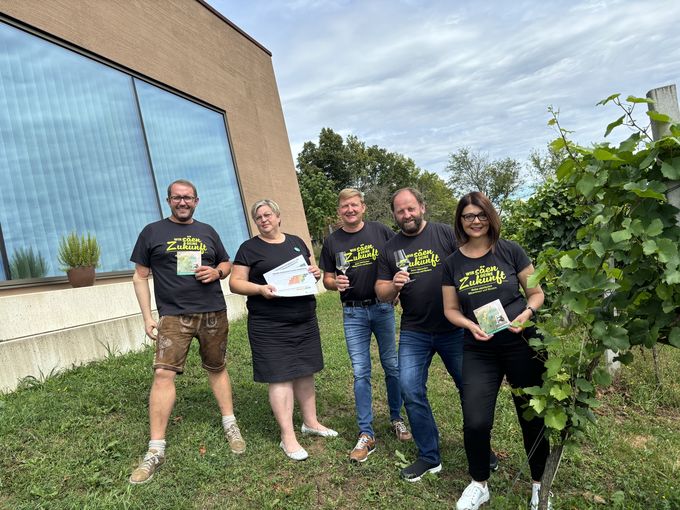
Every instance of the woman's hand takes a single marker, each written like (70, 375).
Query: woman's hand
(268, 291)
(315, 271)
(518, 323)
(478, 332)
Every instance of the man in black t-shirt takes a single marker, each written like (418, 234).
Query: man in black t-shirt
(188, 261)
(424, 328)
(361, 241)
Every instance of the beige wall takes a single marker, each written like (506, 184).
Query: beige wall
(184, 44)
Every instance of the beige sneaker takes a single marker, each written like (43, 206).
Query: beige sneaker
(400, 430)
(236, 441)
(364, 447)
(144, 472)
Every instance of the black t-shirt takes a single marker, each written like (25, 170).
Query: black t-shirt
(261, 257)
(171, 249)
(487, 278)
(362, 249)
(421, 299)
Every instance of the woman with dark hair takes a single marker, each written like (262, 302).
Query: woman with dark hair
(487, 269)
(283, 331)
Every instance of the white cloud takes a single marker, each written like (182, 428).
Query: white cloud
(426, 77)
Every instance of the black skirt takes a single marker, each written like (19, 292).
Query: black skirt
(284, 350)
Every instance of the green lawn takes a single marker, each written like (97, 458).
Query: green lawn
(72, 441)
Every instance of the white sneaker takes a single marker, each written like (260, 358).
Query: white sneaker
(535, 488)
(474, 496)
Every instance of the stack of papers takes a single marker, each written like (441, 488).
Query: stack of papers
(292, 278)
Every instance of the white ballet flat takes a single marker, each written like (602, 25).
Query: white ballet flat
(316, 432)
(300, 454)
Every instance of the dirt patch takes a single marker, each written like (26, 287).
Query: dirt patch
(639, 441)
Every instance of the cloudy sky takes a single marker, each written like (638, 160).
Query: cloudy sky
(424, 78)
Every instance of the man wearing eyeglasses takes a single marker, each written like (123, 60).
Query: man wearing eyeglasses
(363, 315)
(424, 330)
(188, 260)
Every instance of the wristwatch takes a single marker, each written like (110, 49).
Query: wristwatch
(220, 273)
(533, 311)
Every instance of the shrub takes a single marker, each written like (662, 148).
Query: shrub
(74, 251)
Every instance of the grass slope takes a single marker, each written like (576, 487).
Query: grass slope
(72, 440)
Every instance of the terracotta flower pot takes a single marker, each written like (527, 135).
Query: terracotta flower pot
(81, 276)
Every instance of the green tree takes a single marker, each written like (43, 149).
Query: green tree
(474, 171)
(324, 168)
(319, 200)
(543, 164)
(441, 203)
(330, 157)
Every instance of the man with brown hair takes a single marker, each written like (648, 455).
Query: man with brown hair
(188, 261)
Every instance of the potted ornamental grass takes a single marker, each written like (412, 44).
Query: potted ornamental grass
(79, 256)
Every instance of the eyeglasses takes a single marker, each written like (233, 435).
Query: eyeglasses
(177, 199)
(263, 217)
(469, 218)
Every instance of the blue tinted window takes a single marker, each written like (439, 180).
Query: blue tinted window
(72, 153)
(74, 157)
(188, 141)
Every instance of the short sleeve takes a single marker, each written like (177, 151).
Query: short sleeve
(384, 269)
(242, 255)
(326, 261)
(221, 254)
(519, 257)
(141, 253)
(451, 238)
(448, 279)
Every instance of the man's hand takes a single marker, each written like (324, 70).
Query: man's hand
(341, 282)
(149, 327)
(207, 274)
(400, 279)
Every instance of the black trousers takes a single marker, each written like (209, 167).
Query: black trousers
(484, 366)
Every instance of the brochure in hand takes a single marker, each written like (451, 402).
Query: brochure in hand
(188, 262)
(492, 317)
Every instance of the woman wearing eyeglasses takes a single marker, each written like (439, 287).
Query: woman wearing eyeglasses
(283, 331)
(486, 268)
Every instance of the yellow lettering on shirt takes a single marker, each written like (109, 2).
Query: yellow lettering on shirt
(187, 243)
(482, 279)
(362, 255)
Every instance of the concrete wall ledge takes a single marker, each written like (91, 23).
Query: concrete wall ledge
(47, 332)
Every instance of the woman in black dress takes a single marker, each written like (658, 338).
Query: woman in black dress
(283, 331)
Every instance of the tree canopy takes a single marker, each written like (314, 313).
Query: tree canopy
(475, 171)
(334, 163)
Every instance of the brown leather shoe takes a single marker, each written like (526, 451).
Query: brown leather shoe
(364, 447)
(400, 430)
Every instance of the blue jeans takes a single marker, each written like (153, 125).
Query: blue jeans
(360, 322)
(416, 350)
